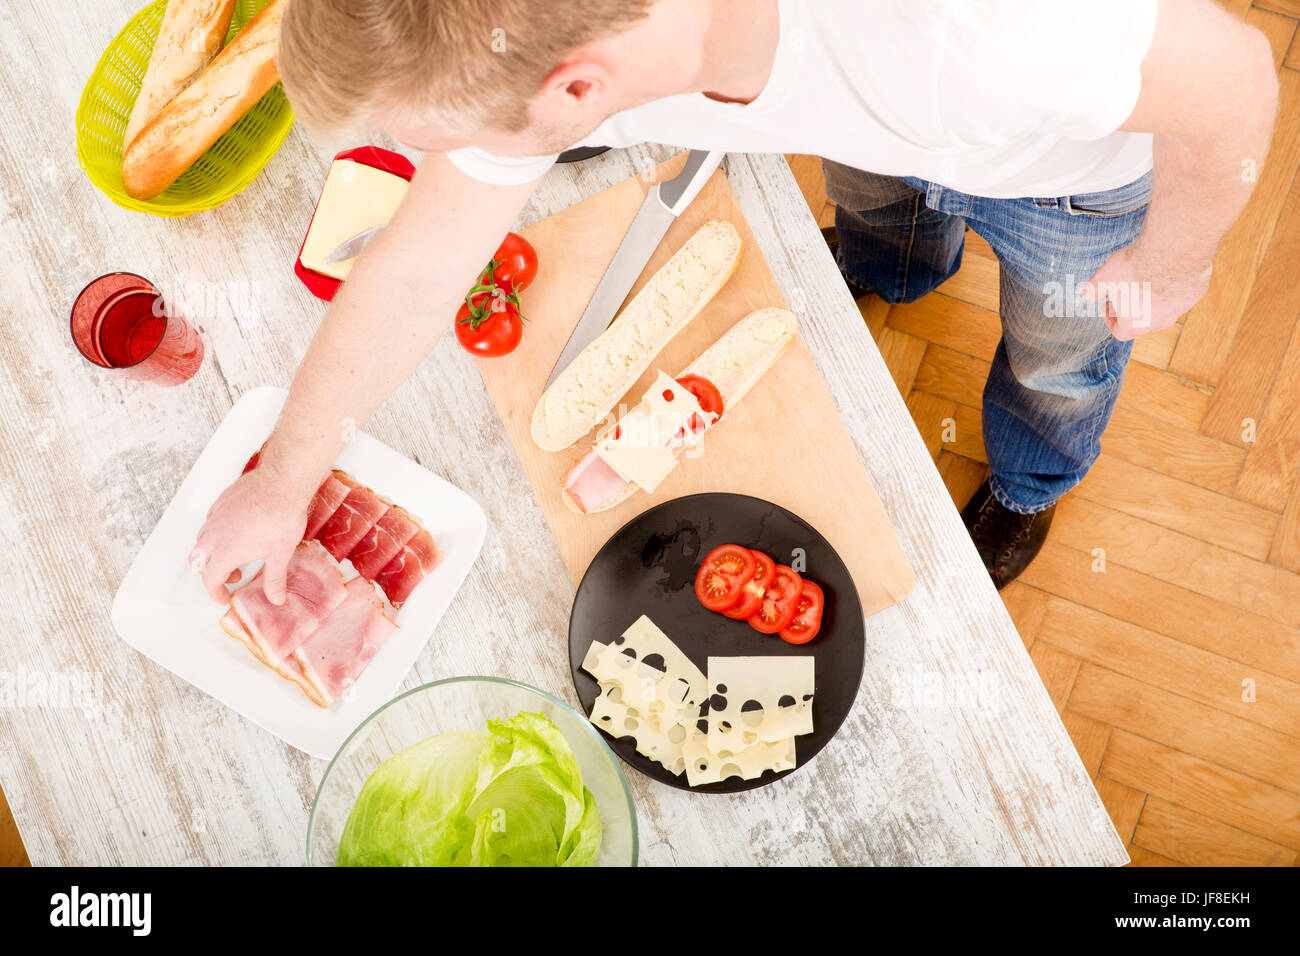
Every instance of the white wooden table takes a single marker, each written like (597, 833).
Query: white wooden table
(953, 753)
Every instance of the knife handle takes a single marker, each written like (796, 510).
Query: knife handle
(676, 193)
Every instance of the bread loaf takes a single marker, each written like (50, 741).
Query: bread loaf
(602, 373)
(196, 117)
(192, 32)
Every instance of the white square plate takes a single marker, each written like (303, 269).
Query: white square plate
(163, 612)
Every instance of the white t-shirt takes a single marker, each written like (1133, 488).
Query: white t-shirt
(998, 98)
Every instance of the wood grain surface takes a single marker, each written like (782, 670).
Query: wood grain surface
(784, 443)
(145, 769)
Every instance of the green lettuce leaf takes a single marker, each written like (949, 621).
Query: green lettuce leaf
(511, 797)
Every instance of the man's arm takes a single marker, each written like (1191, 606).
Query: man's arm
(401, 295)
(1209, 96)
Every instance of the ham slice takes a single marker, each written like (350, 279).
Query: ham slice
(324, 503)
(355, 516)
(289, 668)
(338, 651)
(382, 542)
(314, 587)
(408, 568)
(592, 482)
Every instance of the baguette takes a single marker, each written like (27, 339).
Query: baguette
(197, 116)
(602, 373)
(733, 364)
(192, 32)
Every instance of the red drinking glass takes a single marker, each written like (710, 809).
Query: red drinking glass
(121, 321)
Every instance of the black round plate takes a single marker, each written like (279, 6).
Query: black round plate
(648, 567)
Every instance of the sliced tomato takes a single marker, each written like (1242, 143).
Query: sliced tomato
(722, 575)
(776, 610)
(707, 394)
(751, 594)
(807, 619)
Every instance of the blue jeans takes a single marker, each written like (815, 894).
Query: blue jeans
(1057, 370)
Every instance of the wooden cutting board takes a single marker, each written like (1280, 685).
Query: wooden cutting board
(783, 442)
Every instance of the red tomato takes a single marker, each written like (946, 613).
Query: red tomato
(779, 599)
(707, 394)
(722, 575)
(513, 266)
(807, 615)
(489, 325)
(752, 592)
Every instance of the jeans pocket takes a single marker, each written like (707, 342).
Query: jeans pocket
(860, 191)
(1111, 203)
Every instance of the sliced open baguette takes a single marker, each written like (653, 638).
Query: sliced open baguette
(191, 33)
(602, 373)
(733, 364)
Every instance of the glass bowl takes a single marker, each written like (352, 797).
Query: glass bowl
(467, 703)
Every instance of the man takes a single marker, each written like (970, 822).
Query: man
(1111, 140)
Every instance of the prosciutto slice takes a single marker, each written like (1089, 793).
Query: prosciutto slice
(408, 568)
(338, 651)
(382, 542)
(313, 588)
(324, 503)
(355, 516)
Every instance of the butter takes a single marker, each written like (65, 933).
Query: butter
(355, 198)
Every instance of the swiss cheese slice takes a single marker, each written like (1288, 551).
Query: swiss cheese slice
(650, 691)
(641, 448)
(705, 766)
(662, 744)
(782, 689)
(355, 198)
(652, 646)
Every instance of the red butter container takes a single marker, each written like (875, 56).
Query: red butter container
(323, 286)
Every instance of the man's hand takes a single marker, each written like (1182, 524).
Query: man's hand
(256, 517)
(1139, 295)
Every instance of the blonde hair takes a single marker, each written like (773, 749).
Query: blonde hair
(471, 64)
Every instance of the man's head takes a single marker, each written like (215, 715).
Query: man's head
(513, 76)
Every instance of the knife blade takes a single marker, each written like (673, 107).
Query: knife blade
(352, 247)
(662, 205)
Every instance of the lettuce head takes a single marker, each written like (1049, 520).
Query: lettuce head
(510, 797)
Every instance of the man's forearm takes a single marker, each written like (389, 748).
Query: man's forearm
(1211, 126)
(1201, 185)
(374, 335)
(400, 297)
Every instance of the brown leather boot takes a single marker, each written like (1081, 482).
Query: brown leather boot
(1006, 540)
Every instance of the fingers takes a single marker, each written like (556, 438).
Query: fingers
(274, 575)
(214, 567)
(215, 577)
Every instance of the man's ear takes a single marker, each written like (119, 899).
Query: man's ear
(578, 84)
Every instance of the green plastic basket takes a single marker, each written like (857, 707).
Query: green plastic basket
(227, 167)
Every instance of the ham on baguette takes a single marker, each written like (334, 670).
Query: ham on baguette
(733, 365)
(197, 117)
(191, 33)
(585, 392)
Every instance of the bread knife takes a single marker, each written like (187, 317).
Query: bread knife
(662, 205)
